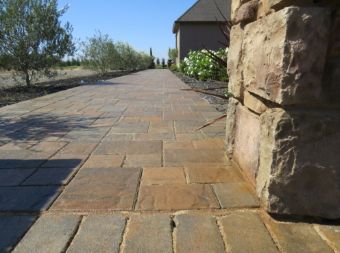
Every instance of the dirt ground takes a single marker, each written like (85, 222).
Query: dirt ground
(6, 77)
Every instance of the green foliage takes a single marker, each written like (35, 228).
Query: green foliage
(32, 38)
(101, 54)
(172, 53)
(173, 67)
(201, 66)
(158, 62)
(163, 63)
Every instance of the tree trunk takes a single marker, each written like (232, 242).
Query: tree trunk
(28, 80)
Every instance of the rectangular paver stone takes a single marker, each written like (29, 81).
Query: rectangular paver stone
(50, 233)
(236, 194)
(99, 233)
(12, 228)
(176, 197)
(27, 198)
(100, 188)
(148, 234)
(245, 232)
(197, 234)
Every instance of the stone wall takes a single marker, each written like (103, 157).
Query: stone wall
(283, 125)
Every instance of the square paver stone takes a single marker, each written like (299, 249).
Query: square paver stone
(50, 176)
(12, 228)
(100, 189)
(176, 197)
(163, 175)
(27, 198)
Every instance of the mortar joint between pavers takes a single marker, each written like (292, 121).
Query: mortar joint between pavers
(74, 234)
(270, 231)
(137, 189)
(122, 243)
(223, 235)
(324, 238)
(174, 225)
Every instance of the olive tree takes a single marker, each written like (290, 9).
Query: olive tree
(32, 38)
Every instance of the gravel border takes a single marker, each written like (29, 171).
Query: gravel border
(221, 87)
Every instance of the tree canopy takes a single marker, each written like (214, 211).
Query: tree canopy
(32, 38)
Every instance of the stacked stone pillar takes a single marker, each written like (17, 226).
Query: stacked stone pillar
(283, 125)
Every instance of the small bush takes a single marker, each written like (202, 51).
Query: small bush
(203, 67)
(173, 67)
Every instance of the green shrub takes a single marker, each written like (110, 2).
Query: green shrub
(200, 65)
(173, 67)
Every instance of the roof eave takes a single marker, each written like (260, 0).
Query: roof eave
(175, 27)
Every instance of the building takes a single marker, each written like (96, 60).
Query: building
(200, 27)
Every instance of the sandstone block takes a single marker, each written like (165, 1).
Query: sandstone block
(267, 5)
(235, 85)
(230, 126)
(253, 103)
(247, 139)
(235, 4)
(284, 55)
(247, 12)
(299, 170)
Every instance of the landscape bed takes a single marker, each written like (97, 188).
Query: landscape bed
(15, 94)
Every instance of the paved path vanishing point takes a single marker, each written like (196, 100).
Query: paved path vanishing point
(118, 167)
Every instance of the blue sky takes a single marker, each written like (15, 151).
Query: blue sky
(141, 23)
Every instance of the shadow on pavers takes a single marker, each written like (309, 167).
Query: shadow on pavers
(27, 188)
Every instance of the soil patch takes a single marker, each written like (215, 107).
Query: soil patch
(16, 94)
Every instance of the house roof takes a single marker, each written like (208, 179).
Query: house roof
(206, 11)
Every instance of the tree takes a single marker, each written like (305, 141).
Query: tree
(172, 53)
(32, 38)
(158, 62)
(163, 63)
(152, 60)
(99, 53)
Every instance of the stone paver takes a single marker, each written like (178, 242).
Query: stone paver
(100, 188)
(249, 227)
(50, 233)
(12, 228)
(197, 234)
(119, 166)
(148, 234)
(101, 233)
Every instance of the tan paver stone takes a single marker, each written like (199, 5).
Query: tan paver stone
(245, 232)
(184, 156)
(331, 234)
(163, 175)
(178, 145)
(50, 176)
(100, 188)
(143, 160)
(64, 161)
(104, 161)
(148, 234)
(176, 197)
(155, 136)
(297, 237)
(135, 127)
(118, 137)
(213, 143)
(236, 194)
(129, 147)
(50, 233)
(205, 173)
(190, 136)
(78, 148)
(197, 234)
(99, 233)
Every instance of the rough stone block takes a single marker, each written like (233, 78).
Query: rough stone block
(284, 55)
(253, 103)
(230, 126)
(235, 85)
(246, 13)
(268, 5)
(299, 170)
(247, 139)
(235, 4)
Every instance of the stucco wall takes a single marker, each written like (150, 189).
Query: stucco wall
(197, 36)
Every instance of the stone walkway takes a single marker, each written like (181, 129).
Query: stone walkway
(119, 167)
